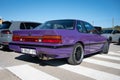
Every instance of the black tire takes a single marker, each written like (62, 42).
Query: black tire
(119, 41)
(105, 48)
(77, 54)
(110, 39)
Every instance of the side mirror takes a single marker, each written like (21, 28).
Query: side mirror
(99, 29)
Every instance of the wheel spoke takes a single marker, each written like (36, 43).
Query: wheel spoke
(78, 53)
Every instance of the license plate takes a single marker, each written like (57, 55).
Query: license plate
(28, 51)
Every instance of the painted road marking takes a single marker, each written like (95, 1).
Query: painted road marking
(107, 57)
(113, 53)
(118, 51)
(1, 68)
(95, 74)
(103, 63)
(26, 72)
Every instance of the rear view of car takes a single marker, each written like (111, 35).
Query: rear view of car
(71, 39)
(8, 27)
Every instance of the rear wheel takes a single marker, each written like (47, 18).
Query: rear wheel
(105, 48)
(77, 54)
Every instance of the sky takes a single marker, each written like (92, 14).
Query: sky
(104, 13)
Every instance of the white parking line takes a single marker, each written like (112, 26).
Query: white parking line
(118, 51)
(26, 72)
(107, 57)
(103, 63)
(95, 74)
(113, 53)
(1, 68)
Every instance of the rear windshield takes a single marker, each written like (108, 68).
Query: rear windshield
(107, 31)
(57, 24)
(29, 25)
(5, 25)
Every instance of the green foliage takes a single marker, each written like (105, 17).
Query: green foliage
(117, 27)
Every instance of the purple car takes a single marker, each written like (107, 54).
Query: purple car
(68, 38)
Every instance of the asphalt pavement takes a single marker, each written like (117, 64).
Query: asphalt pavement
(16, 66)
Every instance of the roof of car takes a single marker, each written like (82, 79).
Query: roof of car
(23, 21)
(68, 19)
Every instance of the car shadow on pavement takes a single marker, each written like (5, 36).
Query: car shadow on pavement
(6, 49)
(36, 60)
(90, 55)
(117, 44)
(52, 62)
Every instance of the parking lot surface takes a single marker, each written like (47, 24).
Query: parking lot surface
(15, 66)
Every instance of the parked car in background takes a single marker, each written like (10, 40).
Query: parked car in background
(68, 38)
(112, 35)
(8, 27)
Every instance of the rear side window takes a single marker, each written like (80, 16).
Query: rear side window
(29, 25)
(80, 28)
(5, 25)
(90, 28)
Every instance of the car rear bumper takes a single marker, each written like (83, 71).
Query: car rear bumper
(5, 40)
(50, 51)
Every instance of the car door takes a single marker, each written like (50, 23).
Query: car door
(83, 36)
(115, 35)
(95, 40)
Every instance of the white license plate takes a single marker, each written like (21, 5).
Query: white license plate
(28, 51)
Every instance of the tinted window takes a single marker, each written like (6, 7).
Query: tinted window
(22, 26)
(116, 31)
(5, 25)
(29, 25)
(80, 28)
(90, 28)
(57, 24)
(107, 31)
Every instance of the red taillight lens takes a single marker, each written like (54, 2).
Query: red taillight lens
(43, 39)
(6, 32)
(29, 39)
(51, 39)
(16, 38)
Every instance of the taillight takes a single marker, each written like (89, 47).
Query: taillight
(30, 39)
(42, 39)
(16, 38)
(51, 39)
(6, 32)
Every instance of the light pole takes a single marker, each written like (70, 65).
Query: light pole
(93, 23)
(113, 22)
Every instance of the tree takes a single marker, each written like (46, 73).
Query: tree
(117, 27)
